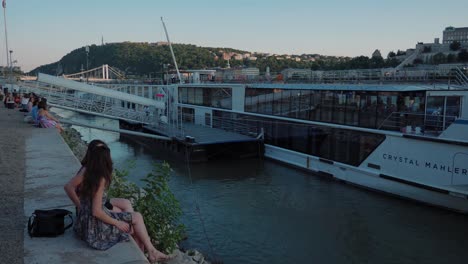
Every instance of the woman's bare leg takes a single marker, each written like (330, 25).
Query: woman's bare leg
(142, 234)
(123, 204)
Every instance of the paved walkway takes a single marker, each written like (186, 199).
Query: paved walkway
(49, 165)
(41, 161)
(12, 171)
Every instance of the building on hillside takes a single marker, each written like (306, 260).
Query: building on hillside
(162, 43)
(452, 34)
(227, 55)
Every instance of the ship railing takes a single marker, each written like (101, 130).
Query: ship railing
(238, 126)
(417, 123)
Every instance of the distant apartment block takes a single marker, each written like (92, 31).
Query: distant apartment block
(452, 34)
(235, 56)
(227, 55)
(162, 43)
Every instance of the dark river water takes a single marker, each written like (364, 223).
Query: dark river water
(261, 211)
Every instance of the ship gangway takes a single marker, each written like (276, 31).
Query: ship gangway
(95, 100)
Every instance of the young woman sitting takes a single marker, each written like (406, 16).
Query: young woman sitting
(72, 188)
(45, 119)
(95, 224)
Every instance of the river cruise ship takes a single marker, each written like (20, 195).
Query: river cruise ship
(408, 140)
(402, 139)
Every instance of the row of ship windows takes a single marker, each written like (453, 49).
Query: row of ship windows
(356, 108)
(209, 97)
(341, 145)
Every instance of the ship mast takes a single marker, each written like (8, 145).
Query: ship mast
(172, 51)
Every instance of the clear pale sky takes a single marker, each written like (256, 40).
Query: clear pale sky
(43, 31)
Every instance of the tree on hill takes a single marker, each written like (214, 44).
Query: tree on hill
(439, 58)
(451, 58)
(463, 56)
(455, 45)
(391, 54)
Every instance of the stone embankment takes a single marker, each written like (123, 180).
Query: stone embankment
(78, 147)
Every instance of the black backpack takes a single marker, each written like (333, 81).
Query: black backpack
(48, 223)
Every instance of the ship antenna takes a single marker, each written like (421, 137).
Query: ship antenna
(172, 51)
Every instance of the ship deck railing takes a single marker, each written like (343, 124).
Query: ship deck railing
(214, 130)
(418, 123)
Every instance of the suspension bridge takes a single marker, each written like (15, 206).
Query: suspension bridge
(104, 72)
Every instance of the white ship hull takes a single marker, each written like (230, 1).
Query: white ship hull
(426, 180)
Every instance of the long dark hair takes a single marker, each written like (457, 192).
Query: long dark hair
(42, 104)
(98, 167)
(91, 145)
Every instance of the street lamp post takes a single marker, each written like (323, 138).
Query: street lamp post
(87, 55)
(11, 53)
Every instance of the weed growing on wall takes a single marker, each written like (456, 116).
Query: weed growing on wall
(155, 201)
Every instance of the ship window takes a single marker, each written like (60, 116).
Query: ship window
(434, 113)
(386, 107)
(441, 111)
(315, 108)
(304, 104)
(453, 107)
(285, 102)
(327, 106)
(277, 101)
(352, 109)
(203, 96)
(339, 108)
(368, 110)
(265, 101)
(183, 98)
(294, 99)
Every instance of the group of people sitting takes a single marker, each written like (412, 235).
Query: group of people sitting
(103, 222)
(35, 107)
(13, 100)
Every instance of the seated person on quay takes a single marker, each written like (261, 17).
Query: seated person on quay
(45, 119)
(96, 224)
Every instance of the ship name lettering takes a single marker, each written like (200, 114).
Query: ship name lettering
(427, 164)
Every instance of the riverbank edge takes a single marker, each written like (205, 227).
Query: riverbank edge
(78, 146)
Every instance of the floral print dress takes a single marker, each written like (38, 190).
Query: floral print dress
(96, 233)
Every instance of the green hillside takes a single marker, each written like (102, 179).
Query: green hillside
(145, 59)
